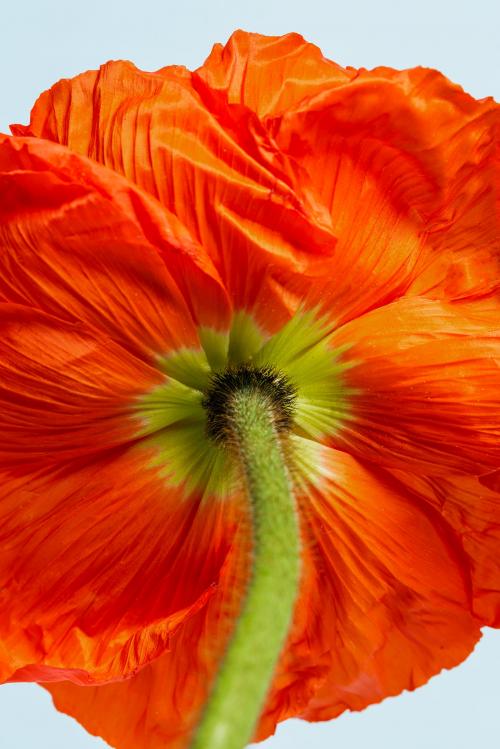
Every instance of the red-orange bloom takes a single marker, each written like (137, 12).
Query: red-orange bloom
(154, 225)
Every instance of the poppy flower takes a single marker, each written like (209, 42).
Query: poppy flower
(270, 214)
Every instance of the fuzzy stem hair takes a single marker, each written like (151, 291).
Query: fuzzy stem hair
(250, 412)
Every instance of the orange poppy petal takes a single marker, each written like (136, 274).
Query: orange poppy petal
(65, 392)
(391, 603)
(404, 164)
(100, 563)
(210, 165)
(82, 243)
(424, 382)
(472, 510)
(375, 616)
(491, 480)
(270, 74)
(339, 189)
(160, 705)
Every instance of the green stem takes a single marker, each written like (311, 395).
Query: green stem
(243, 681)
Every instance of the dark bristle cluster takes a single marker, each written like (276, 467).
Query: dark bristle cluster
(275, 386)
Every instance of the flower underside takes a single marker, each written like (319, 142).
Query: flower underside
(278, 392)
(298, 365)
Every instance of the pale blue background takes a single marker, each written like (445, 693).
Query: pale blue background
(41, 42)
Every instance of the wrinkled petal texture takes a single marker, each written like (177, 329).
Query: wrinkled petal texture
(398, 160)
(399, 591)
(138, 208)
(270, 153)
(377, 615)
(211, 165)
(88, 302)
(79, 241)
(424, 377)
(471, 510)
(100, 564)
(163, 701)
(65, 392)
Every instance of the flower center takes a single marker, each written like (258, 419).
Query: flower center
(185, 423)
(278, 392)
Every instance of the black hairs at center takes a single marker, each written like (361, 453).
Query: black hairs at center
(275, 386)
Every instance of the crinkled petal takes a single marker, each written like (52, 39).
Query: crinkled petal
(65, 391)
(335, 189)
(424, 379)
(82, 243)
(472, 510)
(376, 615)
(406, 165)
(100, 563)
(270, 74)
(160, 706)
(389, 602)
(403, 165)
(211, 165)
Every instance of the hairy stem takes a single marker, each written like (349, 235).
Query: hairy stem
(246, 672)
